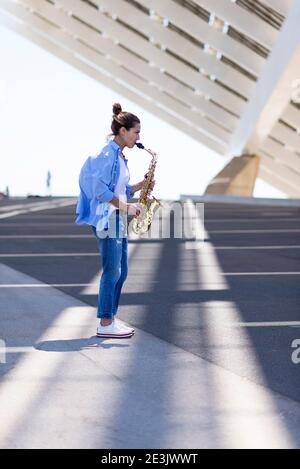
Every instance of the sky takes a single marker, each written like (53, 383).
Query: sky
(52, 117)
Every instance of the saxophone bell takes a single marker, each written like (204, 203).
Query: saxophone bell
(142, 222)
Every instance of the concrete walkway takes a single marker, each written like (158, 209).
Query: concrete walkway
(61, 387)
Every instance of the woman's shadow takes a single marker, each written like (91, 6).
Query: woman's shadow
(72, 345)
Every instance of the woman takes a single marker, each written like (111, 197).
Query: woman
(104, 189)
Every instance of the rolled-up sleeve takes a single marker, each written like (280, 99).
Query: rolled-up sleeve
(101, 188)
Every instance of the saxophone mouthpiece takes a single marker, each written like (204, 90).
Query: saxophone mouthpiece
(140, 145)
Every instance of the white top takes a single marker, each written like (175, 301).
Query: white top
(120, 189)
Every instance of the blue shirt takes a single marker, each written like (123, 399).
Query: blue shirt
(97, 180)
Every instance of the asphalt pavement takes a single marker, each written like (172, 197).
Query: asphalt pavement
(213, 363)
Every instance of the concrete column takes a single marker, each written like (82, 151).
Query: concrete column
(237, 177)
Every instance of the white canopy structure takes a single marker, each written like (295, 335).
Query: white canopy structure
(225, 72)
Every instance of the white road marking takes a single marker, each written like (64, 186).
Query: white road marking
(199, 245)
(46, 285)
(260, 273)
(64, 236)
(37, 207)
(268, 324)
(280, 230)
(54, 254)
(250, 220)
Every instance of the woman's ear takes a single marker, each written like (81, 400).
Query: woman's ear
(122, 131)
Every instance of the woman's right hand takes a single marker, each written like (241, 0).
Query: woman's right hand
(133, 209)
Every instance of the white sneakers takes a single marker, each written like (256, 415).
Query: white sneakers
(115, 329)
(123, 324)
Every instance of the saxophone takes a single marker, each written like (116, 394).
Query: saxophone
(142, 222)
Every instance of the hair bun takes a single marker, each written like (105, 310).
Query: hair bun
(117, 109)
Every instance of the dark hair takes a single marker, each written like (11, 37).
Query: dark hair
(122, 119)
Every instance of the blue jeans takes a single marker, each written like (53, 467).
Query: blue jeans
(113, 251)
